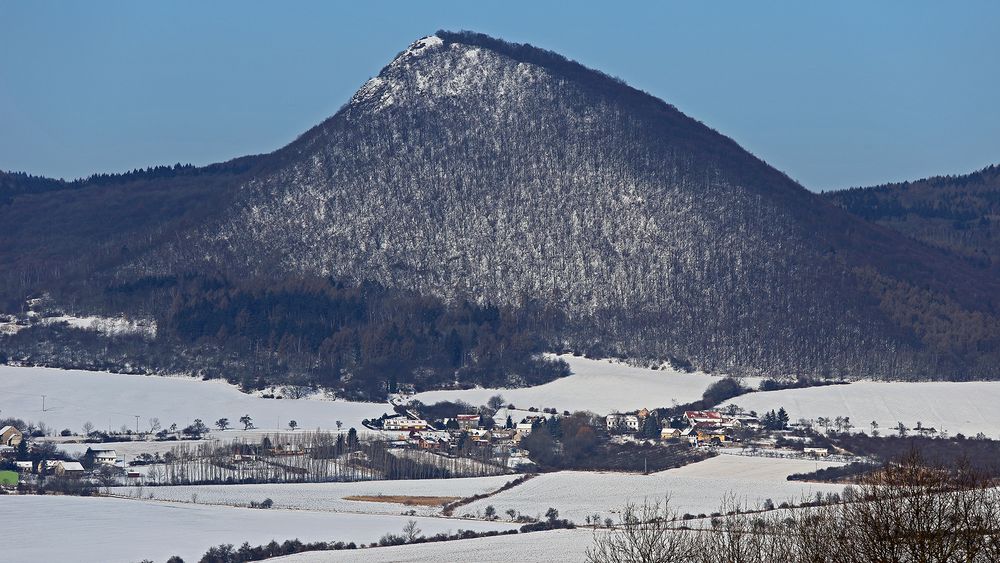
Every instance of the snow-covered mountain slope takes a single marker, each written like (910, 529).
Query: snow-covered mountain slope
(500, 173)
(477, 169)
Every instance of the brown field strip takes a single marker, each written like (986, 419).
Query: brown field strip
(404, 499)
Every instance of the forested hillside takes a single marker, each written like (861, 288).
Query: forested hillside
(957, 213)
(64, 237)
(501, 176)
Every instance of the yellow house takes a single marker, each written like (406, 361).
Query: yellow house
(670, 434)
(707, 437)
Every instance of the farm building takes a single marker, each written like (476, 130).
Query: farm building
(65, 468)
(10, 436)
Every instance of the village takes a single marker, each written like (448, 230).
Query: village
(417, 441)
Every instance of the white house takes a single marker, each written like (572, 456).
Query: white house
(403, 424)
(103, 456)
(631, 422)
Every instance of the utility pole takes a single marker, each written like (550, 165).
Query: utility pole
(43, 403)
(136, 423)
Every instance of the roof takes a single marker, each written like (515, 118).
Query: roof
(468, 417)
(708, 415)
(7, 428)
(71, 466)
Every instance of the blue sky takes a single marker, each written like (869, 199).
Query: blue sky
(838, 95)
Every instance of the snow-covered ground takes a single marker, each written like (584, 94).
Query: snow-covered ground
(107, 530)
(601, 386)
(554, 546)
(696, 488)
(968, 408)
(129, 450)
(326, 496)
(112, 326)
(110, 400)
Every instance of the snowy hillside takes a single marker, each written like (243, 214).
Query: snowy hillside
(696, 488)
(600, 386)
(110, 400)
(470, 168)
(967, 408)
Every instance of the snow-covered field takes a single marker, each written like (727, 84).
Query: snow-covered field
(968, 408)
(128, 450)
(696, 488)
(601, 386)
(326, 496)
(107, 530)
(539, 547)
(110, 400)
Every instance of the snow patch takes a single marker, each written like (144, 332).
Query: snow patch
(421, 46)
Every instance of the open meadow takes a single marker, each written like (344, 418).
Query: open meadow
(698, 488)
(109, 530)
(968, 408)
(112, 400)
(600, 386)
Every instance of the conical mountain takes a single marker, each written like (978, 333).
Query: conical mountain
(472, 168)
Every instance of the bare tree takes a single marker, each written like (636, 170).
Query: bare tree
(495, 402)
(410, 531)
(905, 512)
(645, 534)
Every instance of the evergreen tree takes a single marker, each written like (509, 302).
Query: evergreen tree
(782, 419)
(651, 428)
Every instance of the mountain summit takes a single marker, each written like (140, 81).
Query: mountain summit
(472, 168)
